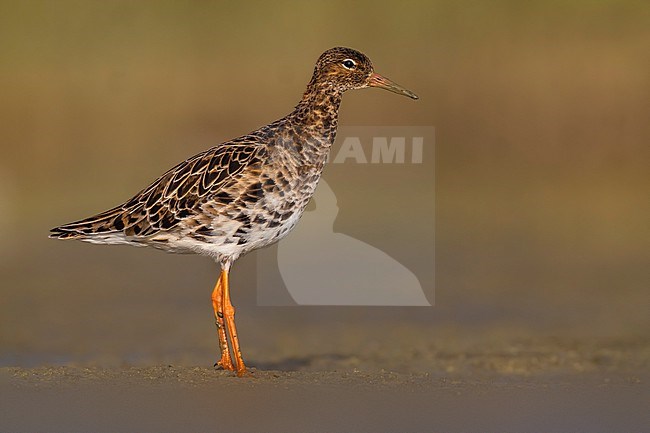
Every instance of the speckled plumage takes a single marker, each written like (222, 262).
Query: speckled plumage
(246, 193)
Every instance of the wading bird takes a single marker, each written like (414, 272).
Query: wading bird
(240, 195)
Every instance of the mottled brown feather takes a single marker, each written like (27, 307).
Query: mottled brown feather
(181, 189)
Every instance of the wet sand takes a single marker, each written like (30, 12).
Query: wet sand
(173, 399)
(461, 383)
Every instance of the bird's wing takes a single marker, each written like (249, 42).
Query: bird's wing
(174, 196)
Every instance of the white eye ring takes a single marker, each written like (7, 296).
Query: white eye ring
(349, 64)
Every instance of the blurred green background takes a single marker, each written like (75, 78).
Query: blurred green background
(541, 114)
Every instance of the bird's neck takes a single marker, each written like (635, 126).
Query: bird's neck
(314, 122)
(318, 110)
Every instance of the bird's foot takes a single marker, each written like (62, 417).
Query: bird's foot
(225, 363)
(244, 372)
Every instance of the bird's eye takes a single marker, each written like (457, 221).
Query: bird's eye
(349, 64)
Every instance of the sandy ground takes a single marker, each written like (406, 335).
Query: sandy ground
(489, 380)
(175, 399)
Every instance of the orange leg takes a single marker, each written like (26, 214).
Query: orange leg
(229, 314)
(217, 304)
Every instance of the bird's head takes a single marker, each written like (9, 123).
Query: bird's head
(346, 69)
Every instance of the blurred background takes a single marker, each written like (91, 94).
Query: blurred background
(541, 116)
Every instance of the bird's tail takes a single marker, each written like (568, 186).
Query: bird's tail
(99, 225)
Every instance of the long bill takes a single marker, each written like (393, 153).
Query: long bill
(382, 82)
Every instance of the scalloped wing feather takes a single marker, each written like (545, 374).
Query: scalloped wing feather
(175, 196)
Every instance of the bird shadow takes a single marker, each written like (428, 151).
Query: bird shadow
(297, 363)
